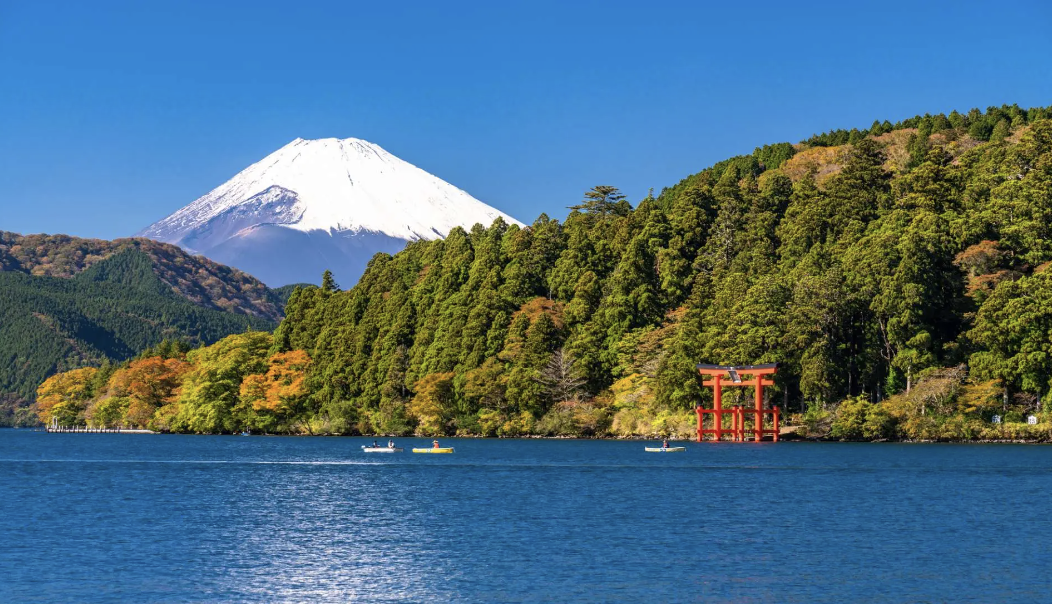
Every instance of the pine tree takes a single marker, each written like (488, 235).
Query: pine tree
(328, 284)
(1001, 131)
(602, 200)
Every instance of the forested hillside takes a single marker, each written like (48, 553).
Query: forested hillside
(67, 303)
(195, 278)
(898, 274)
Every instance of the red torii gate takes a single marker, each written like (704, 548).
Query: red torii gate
(733, 375)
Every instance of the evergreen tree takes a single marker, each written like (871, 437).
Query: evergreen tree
(601, 199)
(1001, 131)
(328, 284)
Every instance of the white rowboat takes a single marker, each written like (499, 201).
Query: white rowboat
(368, 449)
(665, 449)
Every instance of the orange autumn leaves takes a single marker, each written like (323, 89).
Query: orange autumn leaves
(148, 384)
(232, 385)
(129, 397)
(282, 387)
(61, 396)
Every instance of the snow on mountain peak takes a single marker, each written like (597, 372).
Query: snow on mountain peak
(315, 205)
(332, 185)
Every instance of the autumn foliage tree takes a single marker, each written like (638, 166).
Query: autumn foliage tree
(147, 384)
(433, 405)
(64, 397)
(279, 394)
(210, 399)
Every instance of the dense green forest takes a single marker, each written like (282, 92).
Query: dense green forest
(111, 310)
(897, 274)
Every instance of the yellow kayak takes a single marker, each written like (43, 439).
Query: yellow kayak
(434, 450)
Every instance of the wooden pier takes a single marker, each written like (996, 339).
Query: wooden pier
(55, 428)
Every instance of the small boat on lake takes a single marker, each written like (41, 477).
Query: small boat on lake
(368, 449)
(434, 448)
(665, 449)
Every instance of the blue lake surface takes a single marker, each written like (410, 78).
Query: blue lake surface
(106, 518)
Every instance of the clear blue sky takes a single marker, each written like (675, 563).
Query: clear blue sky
(114, 114)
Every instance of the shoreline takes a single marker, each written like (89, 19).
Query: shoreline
(788, 437)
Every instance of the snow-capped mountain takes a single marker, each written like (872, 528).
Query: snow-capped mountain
(320, 204)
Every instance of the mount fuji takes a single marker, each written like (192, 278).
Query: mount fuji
(320, 204)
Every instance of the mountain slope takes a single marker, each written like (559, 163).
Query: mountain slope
(320, 204)
(67, 302)
(197, 279)
(113, 310)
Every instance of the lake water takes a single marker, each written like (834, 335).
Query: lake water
(106, 518)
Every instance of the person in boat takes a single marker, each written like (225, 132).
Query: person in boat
(664, 444)
(390, 444)
(374, 444)
(434, 444)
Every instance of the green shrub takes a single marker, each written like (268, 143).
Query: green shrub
(850, 419)
(879, 424)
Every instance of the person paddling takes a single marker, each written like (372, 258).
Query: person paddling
(434, 444)
(390, 444)
(664, 444)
